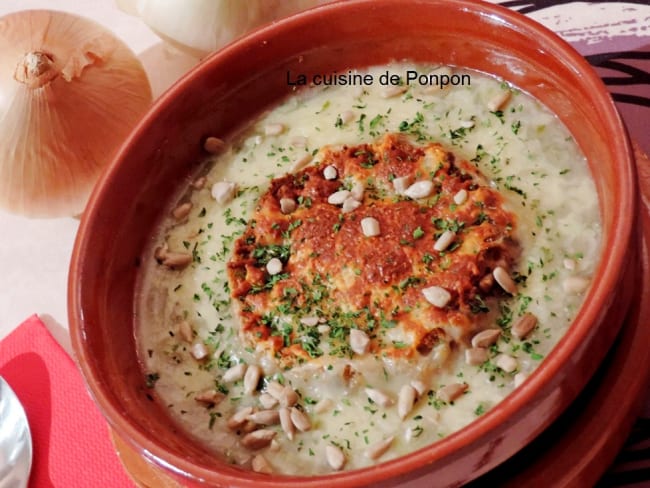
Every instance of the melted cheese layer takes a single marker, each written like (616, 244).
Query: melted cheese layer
(334, 274)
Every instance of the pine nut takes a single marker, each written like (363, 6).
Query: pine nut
(377, 450)
(323, 329)
(247, 427)
(185, 331)
(223, 191)
(335, 457)
(213, 145)
(419, 189)
(209, 397)
(274, 129)
(311, 321)
(486, 338)
(519, 379)
(274, 266)
(265, 417)
(160, 253)
(436, 296)
(287, 205)
(267, 401)
(460, 197)
(506, 363)
(401, 184)
(451, 392)
(298, 141)
(300, 420)
(301, 163)
(524, 326)
(499, 101)
(235, 373)
(258, 439)
(330, 173)
(177, 260)
(444, 241)
(239, 418)
(338, 197)
(467, 124)
(569, 264)
(357, 190)
(182, 211)
(275, 389)
(359, 341)
(393, 91)
(504, 280)
(441, 353)
(252, 378)
(289, 397)
(199, 351)
(199, 183)
(284, 394)
(350, 204)
(370, 227)
(575, 285)
(379, 397)
(261, 465)
(347, 116)
(287, 425)
(476, 356)
(405, 400)
(323, 405)
(419, 386)
(486, 283)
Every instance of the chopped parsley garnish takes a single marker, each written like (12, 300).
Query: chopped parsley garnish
(499, 115)
(515, 126)
(452, 225)
(478, 305)
(150, 379)
(263, 254)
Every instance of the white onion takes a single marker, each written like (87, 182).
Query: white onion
(200, 27)
(70, 92)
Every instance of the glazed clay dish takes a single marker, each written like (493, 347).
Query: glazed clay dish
(120, 231)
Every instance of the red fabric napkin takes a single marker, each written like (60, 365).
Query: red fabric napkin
(72, 447)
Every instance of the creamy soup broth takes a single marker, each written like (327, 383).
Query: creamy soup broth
(350, 408)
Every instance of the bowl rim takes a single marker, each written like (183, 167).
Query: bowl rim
(611, 265)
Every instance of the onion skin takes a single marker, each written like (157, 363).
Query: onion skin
(70, 93)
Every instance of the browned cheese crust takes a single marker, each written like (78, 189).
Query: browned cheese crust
(333, 272)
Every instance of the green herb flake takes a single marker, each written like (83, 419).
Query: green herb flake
(515, 126)
(150, 379)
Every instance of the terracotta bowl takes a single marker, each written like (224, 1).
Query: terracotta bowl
(235, 84)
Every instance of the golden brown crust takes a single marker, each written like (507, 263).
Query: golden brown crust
(332, 271)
